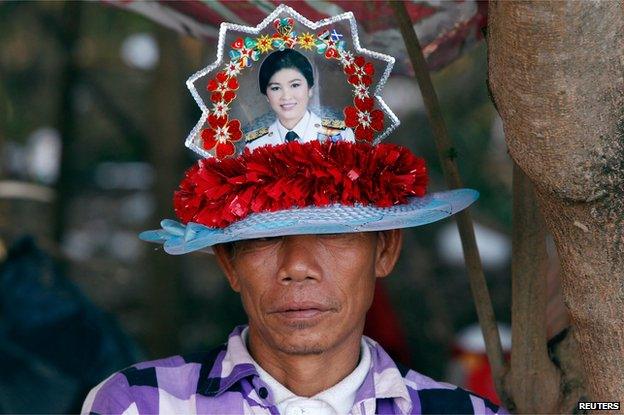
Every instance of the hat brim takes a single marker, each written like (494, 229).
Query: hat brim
(180, 239)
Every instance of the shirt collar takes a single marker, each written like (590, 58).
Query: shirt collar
(340, 397)
(235, 365)
(300, 128)
(346, 389)
(383, 379)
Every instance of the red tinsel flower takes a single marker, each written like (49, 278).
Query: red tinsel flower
(222, 87)
(363, 119)
(221, 135)
(360, 71)
(217, 192)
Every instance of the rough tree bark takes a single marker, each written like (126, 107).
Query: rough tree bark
(556, 76)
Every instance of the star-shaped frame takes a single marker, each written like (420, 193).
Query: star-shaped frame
(247, 50)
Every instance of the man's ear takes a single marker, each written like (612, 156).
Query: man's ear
(310, 92)
(388, 249)
(224, 259)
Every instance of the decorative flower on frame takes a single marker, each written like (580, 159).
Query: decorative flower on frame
(360, 91)
(222, 88)
(221, 136)
(220, 109)
(282, 42)
(347, 58)
(232, 68)
(364, 119)
(306, 41)
(360, 72)
(329, 43)
(284, 25)
(245, 51)
(285, 37)
(264, 43)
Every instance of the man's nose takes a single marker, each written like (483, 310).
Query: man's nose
(298, 259)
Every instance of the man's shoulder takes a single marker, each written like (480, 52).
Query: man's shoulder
(146, 373)
(437, 397)
(177, 375)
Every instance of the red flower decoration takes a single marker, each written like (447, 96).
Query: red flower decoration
(360, 71)
(222, 87)
(217, 192)
(363, 119)
(221, 135)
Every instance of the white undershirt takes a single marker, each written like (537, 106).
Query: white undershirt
(338, 399)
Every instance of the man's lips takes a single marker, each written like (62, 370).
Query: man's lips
(306, 313)
(300, 309)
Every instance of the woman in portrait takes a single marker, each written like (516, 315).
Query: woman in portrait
(286, 80)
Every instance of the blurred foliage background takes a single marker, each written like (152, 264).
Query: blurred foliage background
(93, 115)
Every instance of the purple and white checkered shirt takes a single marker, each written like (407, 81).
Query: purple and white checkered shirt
(224, 381)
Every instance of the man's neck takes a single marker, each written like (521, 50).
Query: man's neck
(306, 375)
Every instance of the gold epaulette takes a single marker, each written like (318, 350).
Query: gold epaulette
(255, 134)
(330, 131)
(333, 123)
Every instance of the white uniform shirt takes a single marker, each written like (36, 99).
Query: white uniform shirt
(338, 399)
(309, 128)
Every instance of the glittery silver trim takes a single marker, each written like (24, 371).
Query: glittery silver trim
(283, 10)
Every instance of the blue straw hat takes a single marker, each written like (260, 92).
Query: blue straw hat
(181, 239)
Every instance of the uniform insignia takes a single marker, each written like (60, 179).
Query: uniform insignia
(330, 131)
(334, 123)
(255, 134)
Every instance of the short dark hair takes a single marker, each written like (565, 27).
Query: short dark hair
(283, 59)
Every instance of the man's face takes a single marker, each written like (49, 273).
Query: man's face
(307, 294)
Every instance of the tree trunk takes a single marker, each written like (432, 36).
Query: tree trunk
(556, 76)
(533, 380)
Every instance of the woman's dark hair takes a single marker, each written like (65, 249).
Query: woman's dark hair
(283, 59)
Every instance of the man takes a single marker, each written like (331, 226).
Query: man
(303, 352)
(305, 265)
